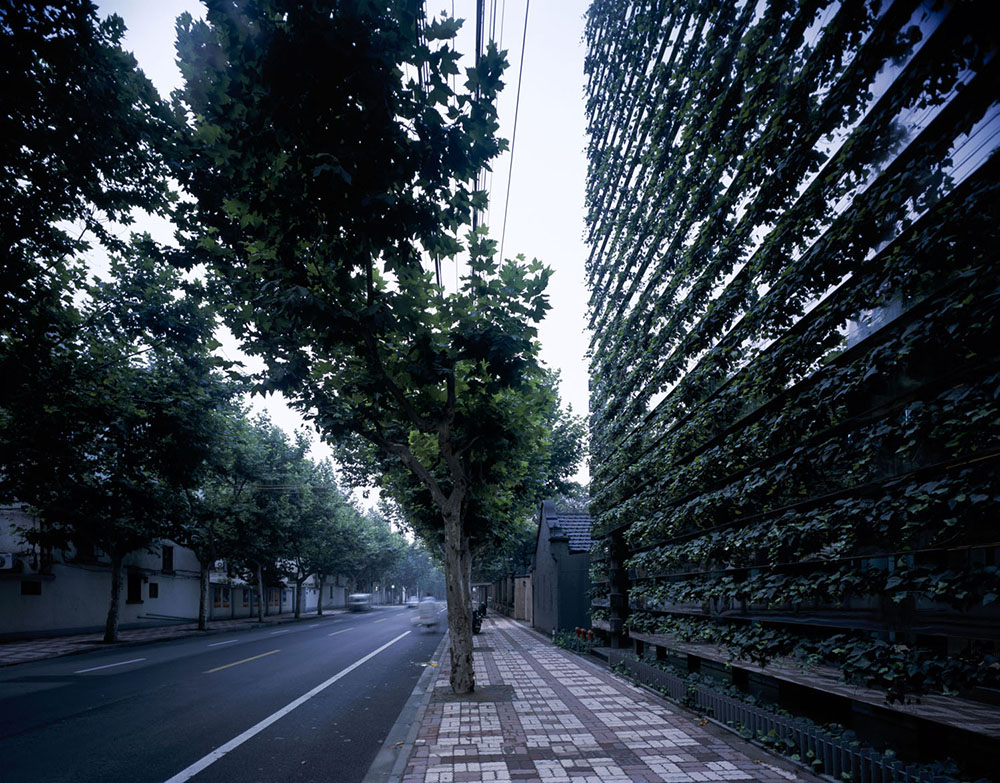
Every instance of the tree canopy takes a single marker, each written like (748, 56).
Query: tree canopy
(332, 167)
(329, 169)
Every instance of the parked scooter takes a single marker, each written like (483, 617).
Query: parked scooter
(477, 618)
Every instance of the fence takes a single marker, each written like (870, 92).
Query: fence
(842, 758)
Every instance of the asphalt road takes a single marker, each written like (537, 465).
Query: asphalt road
(305, 702)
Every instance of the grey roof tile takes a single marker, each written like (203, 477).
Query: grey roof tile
(574, 525)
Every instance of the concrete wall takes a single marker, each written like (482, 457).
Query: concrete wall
(164, 594)
(522, 598)
(75, 596)
(164, 584)
(58, 591)
(334, 596)
(238, 600)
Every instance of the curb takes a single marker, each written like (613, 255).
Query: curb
(390, 762)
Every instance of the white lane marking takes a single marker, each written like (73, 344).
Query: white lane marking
(108, 666)
(276, 632)
(216, 644)
(222, 750)
(312, 626)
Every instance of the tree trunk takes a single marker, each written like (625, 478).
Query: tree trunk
(319, 598)
(203, 598)
(298, 597)
(111, 626)
(262, 603)
(458, 576)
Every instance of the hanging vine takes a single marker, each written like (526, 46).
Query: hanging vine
(793, 218)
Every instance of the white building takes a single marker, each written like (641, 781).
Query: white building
(64, 591)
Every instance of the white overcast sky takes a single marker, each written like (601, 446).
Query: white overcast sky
(546, 208)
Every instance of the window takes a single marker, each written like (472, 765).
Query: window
(331, 591)
(168, 559)
(134, 592)
(154, 590)
(272, 596)
(31, 587)
(246, 596)
(220, 597)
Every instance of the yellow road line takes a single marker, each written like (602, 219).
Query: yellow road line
(341, 631)
(237, 663)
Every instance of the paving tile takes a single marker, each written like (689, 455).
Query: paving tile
(565, 723)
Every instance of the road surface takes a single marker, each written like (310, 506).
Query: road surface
(310, 701)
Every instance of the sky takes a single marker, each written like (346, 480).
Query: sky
(545, 216)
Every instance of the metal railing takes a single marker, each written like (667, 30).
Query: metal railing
(842, 758)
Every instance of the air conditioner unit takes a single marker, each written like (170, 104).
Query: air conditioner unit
(6, 561)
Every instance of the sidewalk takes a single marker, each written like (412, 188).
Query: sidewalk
(54, 646)
(543, 715)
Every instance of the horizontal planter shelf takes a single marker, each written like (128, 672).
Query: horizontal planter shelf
(953, 711)
(930, 623)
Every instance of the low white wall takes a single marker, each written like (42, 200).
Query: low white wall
(76, 596)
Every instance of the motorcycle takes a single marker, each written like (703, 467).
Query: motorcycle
(477, 618)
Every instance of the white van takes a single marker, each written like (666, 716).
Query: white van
(427, 613)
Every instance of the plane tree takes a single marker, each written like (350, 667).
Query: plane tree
(332, 168)
(418, 571)
(82, 136)
(317, 545)
(262, 533)
(107, 384)
(223, 498)
(337, 547)
(382, 548)
(104, 459)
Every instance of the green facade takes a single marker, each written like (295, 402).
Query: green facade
(795, 291)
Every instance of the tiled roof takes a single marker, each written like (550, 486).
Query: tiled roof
(574, 525)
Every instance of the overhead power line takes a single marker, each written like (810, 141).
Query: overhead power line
(513, 135)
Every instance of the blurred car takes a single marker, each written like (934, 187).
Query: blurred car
(427, 613)
(359, 602)
(412, 602)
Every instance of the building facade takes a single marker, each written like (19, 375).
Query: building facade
(49, 592)
(560, 578)
(795, 431)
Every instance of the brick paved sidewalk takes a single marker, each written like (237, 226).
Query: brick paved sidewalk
(542, 714)
(54, 646)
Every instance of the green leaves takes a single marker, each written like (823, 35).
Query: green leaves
(335, 170)
(444, 29)
(129, 411)
(792, 313)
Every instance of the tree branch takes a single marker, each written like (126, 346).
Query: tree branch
(452, 459)
(422, 423)
(407, 458)
(467, 446)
